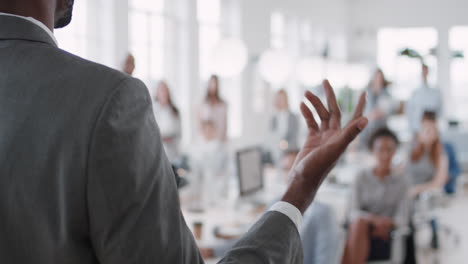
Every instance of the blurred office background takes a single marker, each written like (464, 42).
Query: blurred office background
(267, 53)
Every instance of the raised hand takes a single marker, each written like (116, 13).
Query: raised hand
(323, 147)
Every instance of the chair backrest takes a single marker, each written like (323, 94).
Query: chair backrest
(460, 145)
(454, 168)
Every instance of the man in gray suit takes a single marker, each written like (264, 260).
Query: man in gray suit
(83, 175)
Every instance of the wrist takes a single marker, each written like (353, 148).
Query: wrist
(300, 194)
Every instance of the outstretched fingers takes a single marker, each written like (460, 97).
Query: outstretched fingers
(360, 106)
(321, 110)
(309, 118)
(352, 130)
(357, 124)
(335, 112)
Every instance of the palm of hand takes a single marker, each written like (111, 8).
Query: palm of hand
(320, 139)
(324, 144)
(315, 142)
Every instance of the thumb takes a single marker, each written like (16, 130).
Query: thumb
(353, 129)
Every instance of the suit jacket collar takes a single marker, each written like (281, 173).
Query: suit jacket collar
(16, 28)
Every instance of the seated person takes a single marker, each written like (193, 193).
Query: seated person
(209, 164)
(429, 167)
(319, 232)
(379, 203)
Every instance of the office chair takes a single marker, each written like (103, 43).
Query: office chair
(427, 211)
(430, 203)
(398, 248)
(397, 251)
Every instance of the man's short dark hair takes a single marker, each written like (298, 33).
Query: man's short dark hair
(430, 115)
(65, 15)
(382, 132)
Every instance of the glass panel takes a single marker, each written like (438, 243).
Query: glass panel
(278, 30)
(459, 71)
(209, 37)
(142, 62)
(157, 48)
(73, 38)
(147, 45)
(139, 28)
(209, 11)
(148, 5)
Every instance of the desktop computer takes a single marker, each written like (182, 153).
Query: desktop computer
(250, 171)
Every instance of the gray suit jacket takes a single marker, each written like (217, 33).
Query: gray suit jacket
(292, 133)
(83, 175)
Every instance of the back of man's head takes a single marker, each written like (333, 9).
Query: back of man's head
(63, 13)
(53, 13)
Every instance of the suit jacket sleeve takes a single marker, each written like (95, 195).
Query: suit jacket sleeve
(133, 204)
(274, 239)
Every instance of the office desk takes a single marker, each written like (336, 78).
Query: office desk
(233, 210)
(240, 214)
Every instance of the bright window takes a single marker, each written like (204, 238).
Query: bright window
(278, 30)
(209, 16)
(404, 72)
(74, 37)
(210, 33)
(459, 71)
(147, 21)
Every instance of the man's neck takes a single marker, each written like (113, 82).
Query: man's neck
(27, 8)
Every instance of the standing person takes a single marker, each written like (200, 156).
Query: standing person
(84, 178)
(129, 64)
(379, 204)
(215, 109)
(380, 105)
(284, 126)
(168, 118)
(424, 98)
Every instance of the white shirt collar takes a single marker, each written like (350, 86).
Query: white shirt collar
(35, 21)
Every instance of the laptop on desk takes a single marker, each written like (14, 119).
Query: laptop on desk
(250, 176)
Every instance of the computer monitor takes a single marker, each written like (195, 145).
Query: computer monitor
(250, 171)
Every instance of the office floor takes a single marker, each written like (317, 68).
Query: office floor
(455, 216)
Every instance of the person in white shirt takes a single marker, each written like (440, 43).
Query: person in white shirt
(215, 109)
(423, 99)
(209, 160)
(284, 126)
(168, 118)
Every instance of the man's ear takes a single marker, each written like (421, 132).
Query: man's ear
(63, 13)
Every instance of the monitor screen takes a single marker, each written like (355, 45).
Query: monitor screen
(250, 170)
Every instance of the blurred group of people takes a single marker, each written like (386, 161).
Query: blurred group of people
(383, 196)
